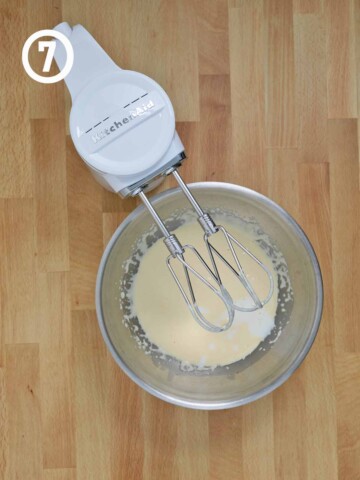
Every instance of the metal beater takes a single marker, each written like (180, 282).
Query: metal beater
(178, 252)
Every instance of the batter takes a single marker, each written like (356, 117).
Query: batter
(166, 319)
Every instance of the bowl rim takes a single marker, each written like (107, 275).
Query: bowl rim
(214, 404)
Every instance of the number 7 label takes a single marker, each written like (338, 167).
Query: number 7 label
(50, 45)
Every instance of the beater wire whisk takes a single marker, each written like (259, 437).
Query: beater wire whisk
(210, 228)
(178, 253)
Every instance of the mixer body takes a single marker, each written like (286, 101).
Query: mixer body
(122, 122)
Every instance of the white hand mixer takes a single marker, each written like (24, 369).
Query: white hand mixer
(122, 124)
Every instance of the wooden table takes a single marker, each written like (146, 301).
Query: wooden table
(265, 94)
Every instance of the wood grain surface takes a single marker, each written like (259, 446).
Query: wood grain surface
(266, 95)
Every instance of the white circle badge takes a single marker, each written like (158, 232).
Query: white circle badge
(69, 56)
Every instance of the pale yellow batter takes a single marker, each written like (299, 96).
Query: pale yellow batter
(167, 321)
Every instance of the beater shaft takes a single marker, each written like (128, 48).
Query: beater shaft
(187, 193)
(153, 213)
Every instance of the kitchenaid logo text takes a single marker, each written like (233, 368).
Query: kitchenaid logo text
(133, 114)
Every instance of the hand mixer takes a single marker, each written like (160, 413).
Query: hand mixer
(122, 124)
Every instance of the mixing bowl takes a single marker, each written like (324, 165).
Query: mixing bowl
(297, 318)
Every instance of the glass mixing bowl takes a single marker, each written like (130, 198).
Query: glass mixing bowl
(277, 356)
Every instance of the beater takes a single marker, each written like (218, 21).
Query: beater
(122, 124)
